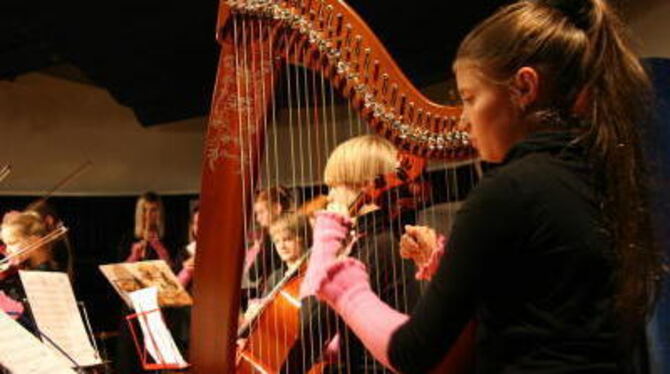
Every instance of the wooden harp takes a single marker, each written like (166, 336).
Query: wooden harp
(325, 45)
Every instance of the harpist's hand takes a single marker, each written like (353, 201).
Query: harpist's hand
(418, 243)
(422, 245)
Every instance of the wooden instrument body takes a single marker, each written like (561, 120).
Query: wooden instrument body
(275, 331)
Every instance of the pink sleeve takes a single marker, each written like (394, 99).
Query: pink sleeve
(135, 251)
(161, 251)
(346, 288)
(250, 255)
(427, 270)
(330, 232)
(10, 306)
(185, 276)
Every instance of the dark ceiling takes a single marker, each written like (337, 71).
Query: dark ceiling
(159, 57)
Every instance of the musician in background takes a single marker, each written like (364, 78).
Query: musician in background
(553, 252)
(291, 235)
(145, 243)
(148, 233)
(187, 255)
(261, 259)
(62, 251)
(18, 231)
(350, 169)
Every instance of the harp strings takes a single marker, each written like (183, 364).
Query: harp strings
(296, 138)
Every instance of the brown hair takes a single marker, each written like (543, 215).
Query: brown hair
(275, 195)
(594, 82)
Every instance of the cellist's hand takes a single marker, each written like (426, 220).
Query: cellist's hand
(339, 200)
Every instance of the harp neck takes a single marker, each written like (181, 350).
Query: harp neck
(335, 41)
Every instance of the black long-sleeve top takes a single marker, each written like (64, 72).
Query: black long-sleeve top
(391, 277)
(530, 260)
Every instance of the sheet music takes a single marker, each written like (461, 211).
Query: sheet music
(22, 353)
(157, 339)
(57, 315)
(129, 277)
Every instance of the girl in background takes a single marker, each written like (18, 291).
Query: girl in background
(149, 231)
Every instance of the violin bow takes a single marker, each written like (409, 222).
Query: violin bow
(75, 173)
(5, 171)
(48, 238)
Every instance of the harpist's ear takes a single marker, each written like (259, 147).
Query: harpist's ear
(525, 86)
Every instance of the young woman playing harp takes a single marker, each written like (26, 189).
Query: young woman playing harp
(552, 252)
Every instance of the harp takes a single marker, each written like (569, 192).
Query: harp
(321, 45)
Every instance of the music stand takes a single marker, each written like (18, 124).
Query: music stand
(147, 363)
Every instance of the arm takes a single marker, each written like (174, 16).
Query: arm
(487, 222)
(10, 306)
(136, 252)
(161, 251)
(186, 273)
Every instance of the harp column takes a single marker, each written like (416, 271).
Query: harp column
(233, 147)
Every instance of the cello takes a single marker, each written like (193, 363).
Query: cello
(274, 328)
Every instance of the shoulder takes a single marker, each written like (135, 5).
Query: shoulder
(529, 176)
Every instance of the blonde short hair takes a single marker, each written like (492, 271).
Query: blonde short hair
(359, 160)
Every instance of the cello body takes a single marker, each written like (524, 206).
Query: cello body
(274, 333)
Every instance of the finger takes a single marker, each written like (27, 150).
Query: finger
(409, 249)
(411, 229)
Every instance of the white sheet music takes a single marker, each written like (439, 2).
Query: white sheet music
(56, 313)
(22, 353)
(157, 338)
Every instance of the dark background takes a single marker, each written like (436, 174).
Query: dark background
(159, 57)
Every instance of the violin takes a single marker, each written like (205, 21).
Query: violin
(406, 176)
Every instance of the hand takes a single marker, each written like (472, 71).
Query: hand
(139, 250)
(418, 244)
(252, 311)
(150, 235)
(340, 198)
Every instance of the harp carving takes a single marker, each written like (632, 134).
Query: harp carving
(259, 39)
